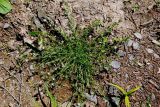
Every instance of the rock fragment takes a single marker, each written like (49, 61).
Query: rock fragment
(131, 57)
(156, 56)
(149, 50)
(136, 45)
(130, 42)
(138, 35)
(115, 64)
(121, 53)
(156, 42)
(6, 25)
(1, 61)
(92, 98)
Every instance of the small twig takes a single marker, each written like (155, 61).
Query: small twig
(9, 94)
(20, 90)
(131, 19)
(10, 74)
(19, 82)
(39, 93)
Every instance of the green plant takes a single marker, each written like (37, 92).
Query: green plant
(135, 7)
(125, 94)
(76, 56)
(148, 103)
(53, 100)
(5, 6)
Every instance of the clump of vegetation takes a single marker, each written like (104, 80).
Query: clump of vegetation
(125, 95)
(79, 55)
(5, 6)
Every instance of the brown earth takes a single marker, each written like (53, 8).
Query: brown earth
(18, 85)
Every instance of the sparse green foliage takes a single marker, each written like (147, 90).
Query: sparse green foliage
(126, 94)
(148, 103)
(79, 55)
(135, 7)
(5, 6)
(53, 101)
(71, 21)
(76, 58)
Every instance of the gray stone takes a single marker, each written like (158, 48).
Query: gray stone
(138, 35)
(31, 67)
(11, 44)
(92, 98)
(131, 57)
(1, 61)
(149, 50)
(116, 100)
(115, 64)
(113, 90)
(121, 53)
(156, 56)
(156, 42)
(153, 97)
(6, 25)
(130, 42)
(37, 23)
(28, 40)
(158, 71)
(136, 45)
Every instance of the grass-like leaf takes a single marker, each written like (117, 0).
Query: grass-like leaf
(119, 87)
(125, 94)
(52, 98)
(5, 6)
(127, 102)
(79, 56)
(133, 90)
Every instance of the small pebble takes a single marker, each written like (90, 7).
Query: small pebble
(138, 35)
(156, 55)
(156, 42)
(140, 64)
(158, 71)
(136, 45)
(130, 42)
(131, 57)
(28, 40)
(31, 67)
(153, 97)
(92, 98)
(37, 23)
(146, 61)
(149, 50)
(115, 64)
(116, 100)
(121, 53)
(1, 61)
(113, 90)
(6, 25)
(11, 44)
